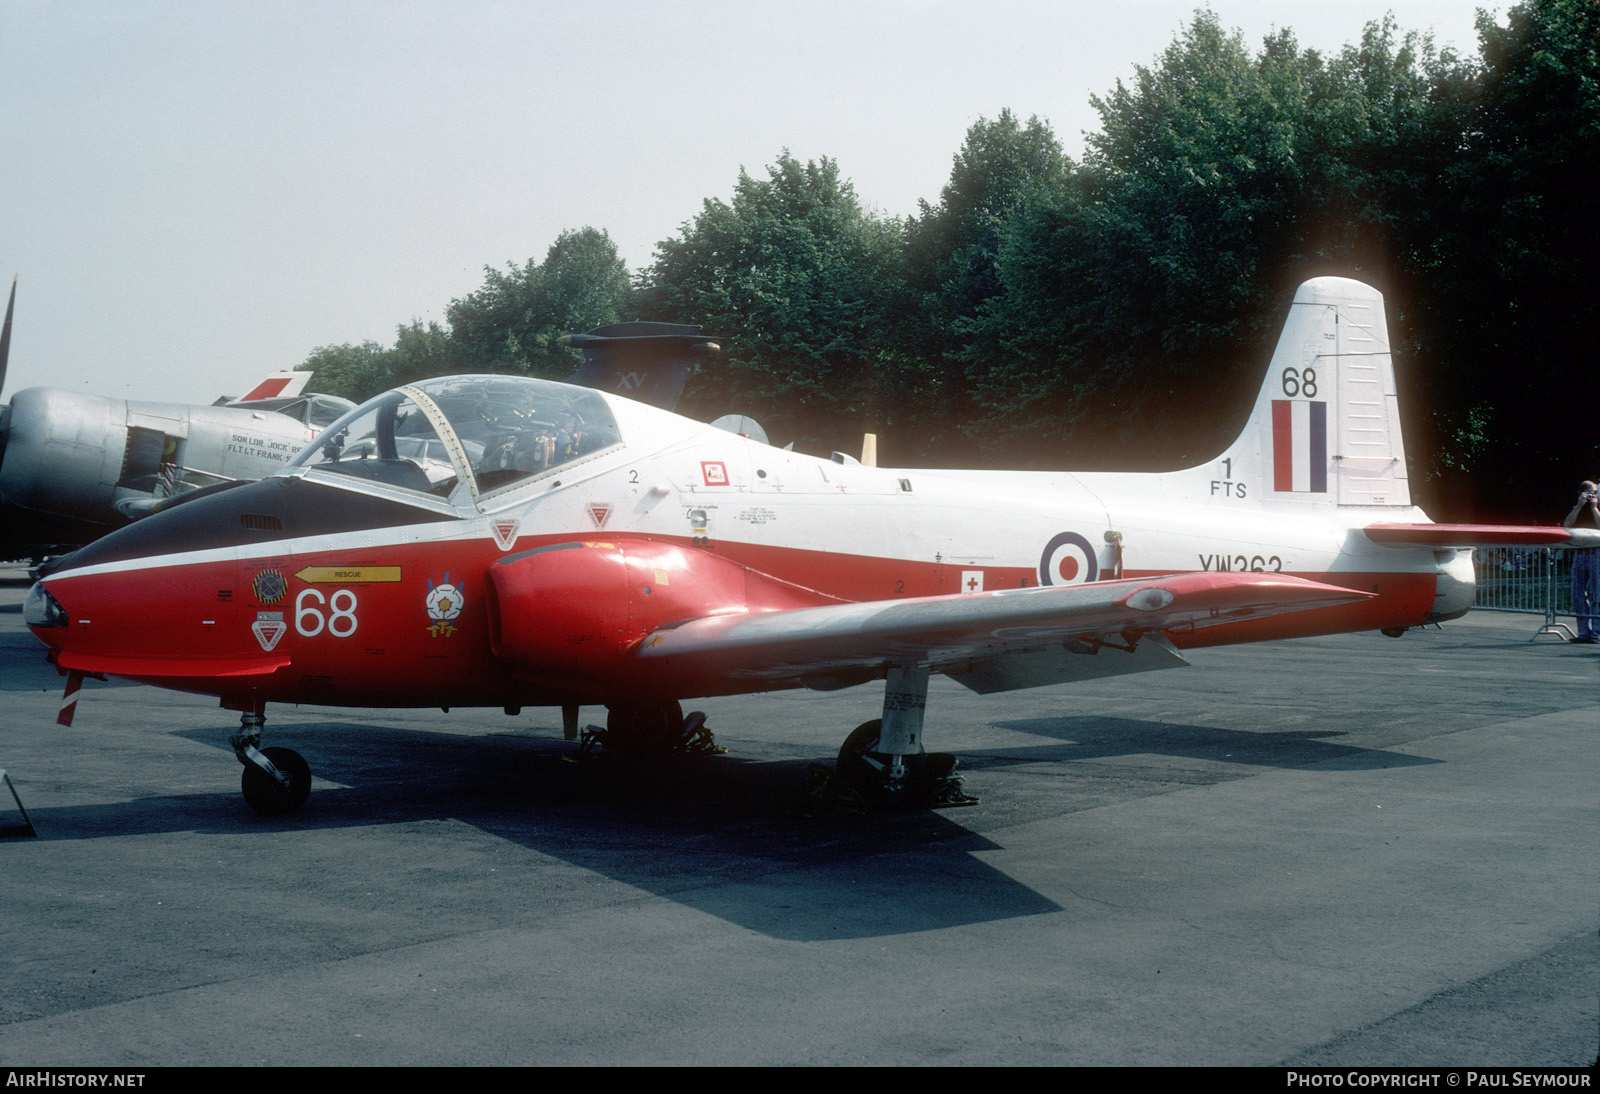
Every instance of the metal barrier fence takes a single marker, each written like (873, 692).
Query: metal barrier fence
(1523, 579)
(1537, 580)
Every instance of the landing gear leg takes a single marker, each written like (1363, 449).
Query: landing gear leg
(275, 780)
(883, 760)
(643, 728)
(650, 729)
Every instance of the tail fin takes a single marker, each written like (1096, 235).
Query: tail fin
(1326, 426)
(645, 361)
(280, 385)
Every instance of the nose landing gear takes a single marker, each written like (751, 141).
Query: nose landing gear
(276, 781)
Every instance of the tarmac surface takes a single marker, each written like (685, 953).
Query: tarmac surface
(1333, 851)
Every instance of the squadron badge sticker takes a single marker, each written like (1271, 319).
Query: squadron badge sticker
(269, 586)
(444, 605)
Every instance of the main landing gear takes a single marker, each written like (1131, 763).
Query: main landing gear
(635, 730)
(275, 780)
(883, 761)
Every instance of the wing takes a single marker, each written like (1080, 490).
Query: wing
(994, 641)
(1480, 535)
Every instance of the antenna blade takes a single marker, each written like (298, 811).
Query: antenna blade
(5, 333)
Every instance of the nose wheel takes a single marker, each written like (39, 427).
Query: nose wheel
(275, 781)
(282, 791)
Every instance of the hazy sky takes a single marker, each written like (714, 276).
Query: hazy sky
(198, 193)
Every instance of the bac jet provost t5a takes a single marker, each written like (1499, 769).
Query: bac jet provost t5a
(503, 541)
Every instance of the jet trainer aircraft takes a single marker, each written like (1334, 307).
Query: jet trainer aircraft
(504, 541)
(74, 466)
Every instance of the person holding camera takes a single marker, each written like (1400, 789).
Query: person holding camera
(1585, 514)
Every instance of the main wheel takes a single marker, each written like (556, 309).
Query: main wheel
(862, 766)
(645, 728)
(864, 769)
(267, 795)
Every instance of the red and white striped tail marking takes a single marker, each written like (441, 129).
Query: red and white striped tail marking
(1300, 446)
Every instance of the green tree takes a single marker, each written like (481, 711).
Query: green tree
(794, 273)
(1144, 274)
(1510, 316)
(1156, 282)
(511, 324)
(952, 252)
(351, 371)
(360, 372)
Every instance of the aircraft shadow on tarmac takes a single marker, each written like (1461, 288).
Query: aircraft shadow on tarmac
(1098, 738)
(723, 835)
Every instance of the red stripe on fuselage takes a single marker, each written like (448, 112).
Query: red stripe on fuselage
(374, 643)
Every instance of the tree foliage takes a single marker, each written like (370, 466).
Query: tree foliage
(1002, 170)
(511, 324)
(794, 274)
(359, 372)
(1119, 311)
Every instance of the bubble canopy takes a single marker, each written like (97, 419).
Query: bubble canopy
(483, 435)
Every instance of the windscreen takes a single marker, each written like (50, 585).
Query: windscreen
(506, 430)
(389, 440)
(514, 428)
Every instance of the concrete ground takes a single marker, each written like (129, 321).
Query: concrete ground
(1349, 850)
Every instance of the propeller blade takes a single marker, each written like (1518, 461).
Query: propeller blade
(5, 333)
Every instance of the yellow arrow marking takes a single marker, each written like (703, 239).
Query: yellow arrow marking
(323, 575)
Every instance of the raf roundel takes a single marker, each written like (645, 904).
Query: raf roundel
(1068, 560)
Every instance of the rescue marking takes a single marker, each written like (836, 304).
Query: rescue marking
(715, 472)
(327, 575)
(599, 512)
